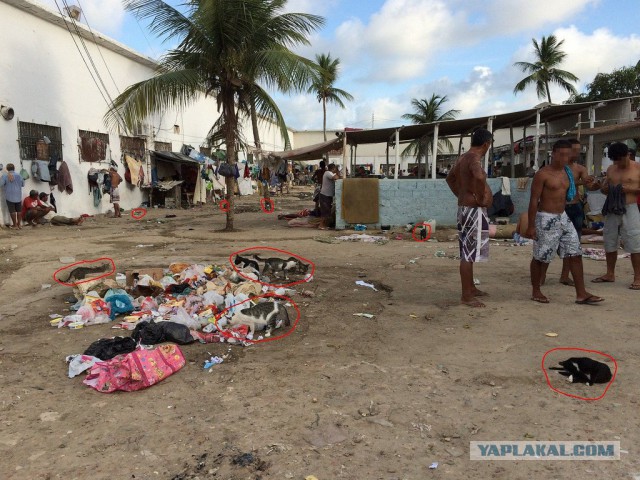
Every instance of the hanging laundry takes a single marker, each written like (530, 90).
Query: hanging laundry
(64, 178)
(134, 167)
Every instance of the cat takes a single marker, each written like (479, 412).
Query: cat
(246, 262)
(269, 315)
(584, 370)
(423, 233)
(80, 273)
(277, 265)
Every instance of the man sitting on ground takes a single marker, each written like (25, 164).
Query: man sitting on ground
(32, 210)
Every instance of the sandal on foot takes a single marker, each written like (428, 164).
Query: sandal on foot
(590, 300)
(602, 280)
(634, 286)
(540, 299)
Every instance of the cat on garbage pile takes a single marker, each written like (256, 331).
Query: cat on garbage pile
(246, 262)
(267, 315)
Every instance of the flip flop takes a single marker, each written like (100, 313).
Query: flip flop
(634, 286)
(601, 280)
(568, 283)
(590, 300)
(540, 299)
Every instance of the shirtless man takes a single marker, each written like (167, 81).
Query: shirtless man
(627, 226)
(574, 208)
(550, 227)
(468, 181)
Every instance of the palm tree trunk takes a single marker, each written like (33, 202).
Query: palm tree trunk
(231, 123)
(256, 140)
(324, 118)
(546, 84)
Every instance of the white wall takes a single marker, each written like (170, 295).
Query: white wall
(45, 81)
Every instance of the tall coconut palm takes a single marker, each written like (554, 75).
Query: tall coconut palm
(428, 111)
(227, 49)
(545, 69)
(323, 86)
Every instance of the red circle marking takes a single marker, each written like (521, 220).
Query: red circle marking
(263, 205)
(113, 269)
(138, 213)
(615, 371)
(224, 205)
(413, 232)
(304, 280)
(227, 334)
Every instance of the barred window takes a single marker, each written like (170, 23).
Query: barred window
(162, 146)
(93, 146)
(206, 151)
(39, 142)
(133, 146)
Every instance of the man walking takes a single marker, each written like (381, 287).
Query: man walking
(622, 218)
(468, 182)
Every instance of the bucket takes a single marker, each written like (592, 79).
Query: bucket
(432, 224)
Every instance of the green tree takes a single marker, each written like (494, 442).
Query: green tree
(323, 86)
(231, 50)
(428, 111)
(622, 82)
(545, 69)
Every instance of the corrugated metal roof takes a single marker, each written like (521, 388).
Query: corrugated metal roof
(310, 152)
(175, 157)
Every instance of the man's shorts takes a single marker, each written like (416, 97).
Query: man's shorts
(555, 233)
(473, 234)
(625, 226)
(115, 195)
(575, 211)
(325, 205)
(14, 207)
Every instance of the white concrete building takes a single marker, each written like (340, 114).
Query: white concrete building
(52, 93)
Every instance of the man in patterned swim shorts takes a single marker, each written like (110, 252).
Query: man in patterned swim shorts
(468, 181)
(550, 227)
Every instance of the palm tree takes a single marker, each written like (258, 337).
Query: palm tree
(428, 111)
(227, 49)
(322, 86)
(545, 70)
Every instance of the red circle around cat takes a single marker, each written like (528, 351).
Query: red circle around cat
(224, 205)
(413, 232)
(101, 260)
(138, 213)
(263, 205)
(227, 334)
(613, 377)
(307, 277)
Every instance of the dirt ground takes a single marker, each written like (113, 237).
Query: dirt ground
(343, 397)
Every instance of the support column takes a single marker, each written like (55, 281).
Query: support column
(537, 139)
(592, 122)
(435, 150)
(513, 153)
(486, 155)
(395, 174)
(344, 153)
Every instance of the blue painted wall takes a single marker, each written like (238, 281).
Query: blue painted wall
(406, 201)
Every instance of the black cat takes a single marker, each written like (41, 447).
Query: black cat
(246, 262)
(584, 370)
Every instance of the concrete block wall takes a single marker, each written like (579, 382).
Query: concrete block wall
(405, 201)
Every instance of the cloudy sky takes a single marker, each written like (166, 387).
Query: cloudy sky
(394, 50)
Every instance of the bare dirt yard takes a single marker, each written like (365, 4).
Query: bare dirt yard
(344, 396)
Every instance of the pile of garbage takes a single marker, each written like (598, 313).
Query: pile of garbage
(188, 303)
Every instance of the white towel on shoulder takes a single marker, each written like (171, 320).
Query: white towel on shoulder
(506, 186)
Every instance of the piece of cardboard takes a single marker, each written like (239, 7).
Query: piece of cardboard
(154, 272)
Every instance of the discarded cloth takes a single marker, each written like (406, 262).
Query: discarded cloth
(615, 202)
(80, 363)
(152, 333)
(362, 237)
(107, 348)
(136, 370)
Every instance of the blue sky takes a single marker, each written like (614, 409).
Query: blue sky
(394, 50)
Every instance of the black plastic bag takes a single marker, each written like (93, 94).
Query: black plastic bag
(107, 348)
(152, 333)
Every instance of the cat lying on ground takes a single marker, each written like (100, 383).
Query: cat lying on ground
(277, 265)
(584, 370)
(267, 315)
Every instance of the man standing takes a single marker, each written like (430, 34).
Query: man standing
(327, 192)
(13, 183)
(116, 179)
(622, 186)
(468, 182)
(574, 207)
(550, 227)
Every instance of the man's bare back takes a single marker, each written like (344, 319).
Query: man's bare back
(468, 181)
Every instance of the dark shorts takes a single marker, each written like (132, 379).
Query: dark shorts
(575, 212)
(14, 207)
(325, 206)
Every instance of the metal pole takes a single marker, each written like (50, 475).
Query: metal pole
(536, 146)
(434, 150)
(395, 174)
(344, 153)
(592, 122)
(486, 155)
(513, 153)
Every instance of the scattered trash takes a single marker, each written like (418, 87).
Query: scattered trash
(365, 284)
(310, 477)
(398, 237)
(366, 315)
(433, 466)
(143, 246)
(551, 334)
(212, 361)
(412, 315)
(476, 281)
(440, 253)
(67, 259)
(360, 228)
(362, 237)
(45, 286)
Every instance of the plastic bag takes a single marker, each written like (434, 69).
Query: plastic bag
(119, 301)
(151, 333)
(181, 316)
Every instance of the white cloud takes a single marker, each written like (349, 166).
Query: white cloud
(105, 16)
